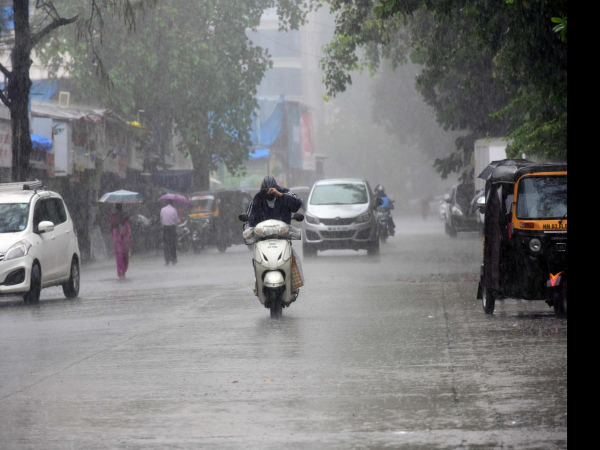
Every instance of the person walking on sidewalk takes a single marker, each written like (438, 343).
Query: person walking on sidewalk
(169, 220)
(120, 228)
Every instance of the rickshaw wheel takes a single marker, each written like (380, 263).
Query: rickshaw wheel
(488, 301)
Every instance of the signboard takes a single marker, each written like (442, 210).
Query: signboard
(62, 166)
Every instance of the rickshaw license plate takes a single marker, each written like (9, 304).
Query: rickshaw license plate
(555, 227)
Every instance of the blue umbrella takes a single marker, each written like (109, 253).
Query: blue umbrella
(121, 197)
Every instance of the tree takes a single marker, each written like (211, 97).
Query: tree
(29, 32)
(490, 68)
(189, 66)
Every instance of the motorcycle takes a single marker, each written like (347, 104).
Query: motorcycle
(272, 260)
(384, 230)
(184, 237)
(384, 217)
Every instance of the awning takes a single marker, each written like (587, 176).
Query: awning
(40, 143)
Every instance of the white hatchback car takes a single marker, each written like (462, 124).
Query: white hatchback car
(38, 244)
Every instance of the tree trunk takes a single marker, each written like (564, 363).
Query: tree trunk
(18, 89)
(202, 165)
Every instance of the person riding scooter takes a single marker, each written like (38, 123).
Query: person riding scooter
(274, 202)
(387, 207)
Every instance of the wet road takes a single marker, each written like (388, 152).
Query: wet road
(376, 353)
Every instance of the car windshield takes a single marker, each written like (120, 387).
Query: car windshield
(542, 198)
(339, 194)
(13, 217)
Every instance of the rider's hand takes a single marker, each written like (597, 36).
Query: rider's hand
(274, 191)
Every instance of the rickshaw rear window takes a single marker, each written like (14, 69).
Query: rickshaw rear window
(205, 204)
(542, 197)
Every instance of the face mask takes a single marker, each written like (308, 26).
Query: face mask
(271, 203)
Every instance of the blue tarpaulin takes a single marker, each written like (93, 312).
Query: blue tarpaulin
(266, 130)
(259, 154)
(40, 90)
(41, 143)
(7, 18)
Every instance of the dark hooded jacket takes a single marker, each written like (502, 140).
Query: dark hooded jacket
(285, 206)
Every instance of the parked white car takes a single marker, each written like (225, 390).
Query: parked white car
(38, 243)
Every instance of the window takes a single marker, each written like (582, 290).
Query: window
(542, 197)
(281, 81)
(56, 211)
(13, 217)
(339, 194)
(281, 44)
(40, 214)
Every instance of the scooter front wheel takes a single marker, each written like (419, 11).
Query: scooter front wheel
(275, 305)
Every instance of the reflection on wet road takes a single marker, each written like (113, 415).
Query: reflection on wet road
(376, 352)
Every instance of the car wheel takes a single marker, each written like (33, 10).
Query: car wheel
(33, 296)
(373, 248)
(488, 300)
(71, 288)
(452, 231)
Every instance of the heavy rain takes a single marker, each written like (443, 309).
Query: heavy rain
(283, 224)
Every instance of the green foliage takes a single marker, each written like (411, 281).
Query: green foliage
(488, 68)
(188, 63)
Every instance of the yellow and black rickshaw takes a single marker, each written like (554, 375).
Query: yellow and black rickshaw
(525, 234)
(214, 218)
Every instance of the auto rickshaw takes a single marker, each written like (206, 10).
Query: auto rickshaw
(214, 218)
(525, 234)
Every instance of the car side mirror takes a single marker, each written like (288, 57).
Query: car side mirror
(243, 217)
(298, 217)
(45, 227)
(481, 204)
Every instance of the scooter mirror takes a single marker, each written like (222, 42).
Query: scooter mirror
(298, 217)
(243, 217)
(379, 202)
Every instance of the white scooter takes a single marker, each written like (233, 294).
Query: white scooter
(272, 260)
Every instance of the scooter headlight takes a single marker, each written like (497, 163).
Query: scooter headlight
(18, 250)
(535, 245)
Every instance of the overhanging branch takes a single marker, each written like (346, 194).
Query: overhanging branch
(7, 73)
(4, 99)
(35, 39)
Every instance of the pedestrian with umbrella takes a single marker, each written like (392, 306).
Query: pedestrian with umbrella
(120, 227)
(169, 219)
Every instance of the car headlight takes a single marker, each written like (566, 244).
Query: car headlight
(456, 211)
(364, 218)
(535, 245)
(313, 220)
(18, 250)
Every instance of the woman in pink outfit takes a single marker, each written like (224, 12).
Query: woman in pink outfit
(120, 227)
